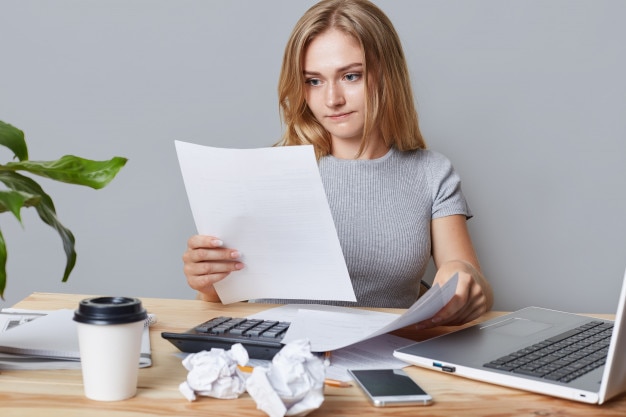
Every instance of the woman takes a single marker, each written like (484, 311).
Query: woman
(344, 88)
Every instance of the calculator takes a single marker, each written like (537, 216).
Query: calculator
(261, 338)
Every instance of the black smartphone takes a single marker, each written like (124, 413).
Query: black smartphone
(390, 387)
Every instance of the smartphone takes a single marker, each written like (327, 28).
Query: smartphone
(390, 387)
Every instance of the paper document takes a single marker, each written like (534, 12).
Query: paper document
(270, 205)
(329, 327)
(375, 353)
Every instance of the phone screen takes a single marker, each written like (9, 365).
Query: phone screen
(390, 386)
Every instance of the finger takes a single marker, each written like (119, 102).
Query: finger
(204, 241)
(203, 276)
(203, 255)
(471, 310)
(454, 309)
(207, 269)
(477, 309)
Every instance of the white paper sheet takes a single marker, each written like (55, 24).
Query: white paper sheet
(329, 328)
(374, 353)
(269, 204)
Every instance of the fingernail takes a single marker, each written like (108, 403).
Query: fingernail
(217, 242)
(238, 265)
(436, 319)
(235, 254)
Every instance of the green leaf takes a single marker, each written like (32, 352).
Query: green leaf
(24, 192)
(13, 201)
(3, 266)
(73, 170)
(13, 138)
(47, 214)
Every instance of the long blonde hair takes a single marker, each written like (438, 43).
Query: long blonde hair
(390, 108)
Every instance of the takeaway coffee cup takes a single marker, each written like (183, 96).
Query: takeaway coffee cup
(109, 337)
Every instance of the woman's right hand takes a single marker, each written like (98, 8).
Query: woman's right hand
(206, 262)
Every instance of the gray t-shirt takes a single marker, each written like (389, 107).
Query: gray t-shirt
(382, 209)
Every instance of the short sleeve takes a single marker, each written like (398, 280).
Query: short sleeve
(445, 183)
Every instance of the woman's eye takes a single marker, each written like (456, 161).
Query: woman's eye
(352, 77)
(313, 82)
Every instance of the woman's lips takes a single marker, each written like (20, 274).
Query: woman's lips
(339, 116)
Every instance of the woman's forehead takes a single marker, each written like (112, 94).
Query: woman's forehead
(332, 49)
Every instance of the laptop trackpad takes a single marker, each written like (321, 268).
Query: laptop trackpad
(518, 327)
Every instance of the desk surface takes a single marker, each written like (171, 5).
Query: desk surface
(60, 393)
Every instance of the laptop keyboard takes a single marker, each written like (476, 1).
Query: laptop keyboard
(564, 357)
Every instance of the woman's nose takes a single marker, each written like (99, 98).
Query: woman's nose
(334, 95)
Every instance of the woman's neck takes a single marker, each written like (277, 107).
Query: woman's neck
(374, 150)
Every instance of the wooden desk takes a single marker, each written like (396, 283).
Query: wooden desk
(60, 393)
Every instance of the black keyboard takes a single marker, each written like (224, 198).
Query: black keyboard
(261, 338)
(564, 357)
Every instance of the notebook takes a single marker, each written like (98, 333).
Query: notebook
(502, 350)
(49, 340)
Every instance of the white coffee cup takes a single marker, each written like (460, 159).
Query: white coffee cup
(109, 337)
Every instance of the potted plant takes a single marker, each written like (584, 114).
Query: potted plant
(22, 191)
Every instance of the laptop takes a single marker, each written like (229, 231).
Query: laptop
(535, 349)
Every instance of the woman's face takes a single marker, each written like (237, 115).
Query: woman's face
(335, 86)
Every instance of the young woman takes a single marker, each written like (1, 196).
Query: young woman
(344, 88)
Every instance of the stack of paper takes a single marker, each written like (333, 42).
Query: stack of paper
(33, 339)
(358, 338)
(330, 327)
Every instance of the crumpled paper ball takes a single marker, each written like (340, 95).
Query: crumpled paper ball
(214, 373)
(293, 384)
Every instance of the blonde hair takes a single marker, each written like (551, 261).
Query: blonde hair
(390, 108)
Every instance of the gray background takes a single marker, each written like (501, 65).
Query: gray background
(528, 99)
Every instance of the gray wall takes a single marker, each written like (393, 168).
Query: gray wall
(528, 99)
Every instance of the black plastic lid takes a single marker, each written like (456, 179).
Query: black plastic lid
(110, 310)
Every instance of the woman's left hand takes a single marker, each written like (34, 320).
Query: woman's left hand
(473, 296)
